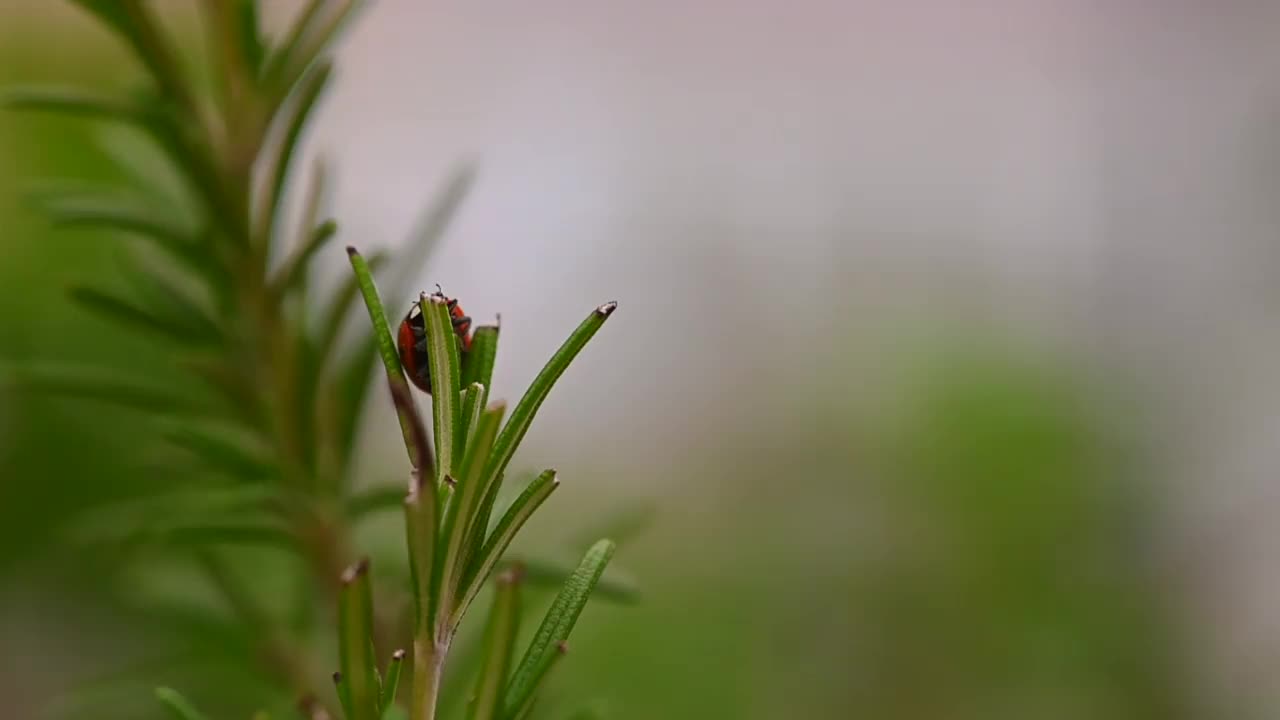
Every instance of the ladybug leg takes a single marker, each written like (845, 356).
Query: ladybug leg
(460, 321)
(421, 345)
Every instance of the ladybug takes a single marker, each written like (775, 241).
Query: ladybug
(412, 340)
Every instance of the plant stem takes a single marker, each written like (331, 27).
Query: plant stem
(428, 667)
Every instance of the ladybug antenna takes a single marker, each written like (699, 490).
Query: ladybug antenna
(439, 291)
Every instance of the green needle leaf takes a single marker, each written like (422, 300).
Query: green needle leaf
(615, 585)
(462, 508)
(344, 694)
(200, 500)
(420, 530)
(85, 382)
(155, 115)
(295, 270)
(132, 216)
(477, 363)
(354, 379)
(386, 344)
(348, 377)
(335, 315)
(294, 120)
(556, 626)
(419, 512)
(250, 36)
(133, 22)
(72, 101)
(228, 449)
(391, 683)
(127, 313)
(113, 14)
(178, 127)
(499, 640)
(316, 198)
(313, 235)
(523, 706)
(522, 416)
(184, 527)
(355, 642)
(150, 170)
(373, 500)
(472, 406)
(310, 36)
(178, 706)
(298, 390)
(273, 67)
(232, 532)
(177, 301)
(621, 524)
(486, 488)
(442, 354)
(515, 517)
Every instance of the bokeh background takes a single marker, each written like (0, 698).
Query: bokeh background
(944, 375)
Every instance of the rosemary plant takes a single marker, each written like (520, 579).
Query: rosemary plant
(267, 427)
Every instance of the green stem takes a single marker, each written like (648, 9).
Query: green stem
(428, 668)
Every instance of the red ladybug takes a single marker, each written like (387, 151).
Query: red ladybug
(412, 339)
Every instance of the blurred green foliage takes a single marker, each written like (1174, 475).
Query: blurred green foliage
(247, 457)
(60, 457)
(40, 325)
(1018, 579)
(989, 554)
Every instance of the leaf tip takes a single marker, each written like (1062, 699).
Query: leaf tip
(448, 480)
(398, 655)
(355, 571)
(352, 251)
(512, 575)
(607, 309)
(337, 677)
